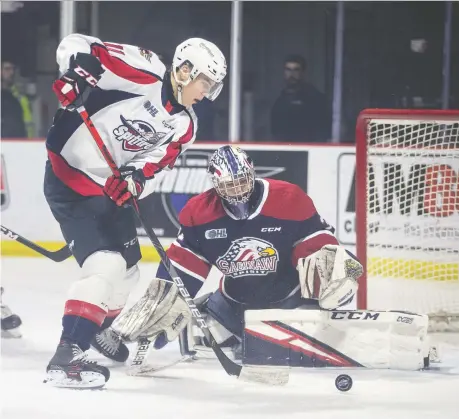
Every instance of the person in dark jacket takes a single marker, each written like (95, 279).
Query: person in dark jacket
(12, 114)
(301, 112)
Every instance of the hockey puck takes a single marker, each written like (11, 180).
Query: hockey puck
(343, 382)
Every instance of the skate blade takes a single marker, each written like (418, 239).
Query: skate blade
(12, 333)
(89, 380)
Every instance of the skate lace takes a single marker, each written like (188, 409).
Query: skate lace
(80, 356)
(6, 311)
(109, 341)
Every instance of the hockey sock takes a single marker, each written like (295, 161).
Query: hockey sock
(81, 322)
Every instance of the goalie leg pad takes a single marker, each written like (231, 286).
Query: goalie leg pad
(192, 340)
(224, 320)
(313, 338)
(161, 312)
(227, 313)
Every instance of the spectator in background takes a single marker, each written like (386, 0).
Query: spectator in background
(301, 112)
(17, 120)
(12, 116)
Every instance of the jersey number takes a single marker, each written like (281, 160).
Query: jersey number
(114, 48)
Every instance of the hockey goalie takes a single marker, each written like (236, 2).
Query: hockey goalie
(285, 282)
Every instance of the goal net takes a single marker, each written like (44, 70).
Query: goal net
(407, 212)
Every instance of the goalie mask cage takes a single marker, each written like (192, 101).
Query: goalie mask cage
(407, 212)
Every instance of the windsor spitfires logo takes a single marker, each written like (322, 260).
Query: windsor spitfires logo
(137, 135)
(146, 53)
(248, 256)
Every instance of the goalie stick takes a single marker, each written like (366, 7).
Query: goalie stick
(139, 365)
(56, 256)
(268, 375)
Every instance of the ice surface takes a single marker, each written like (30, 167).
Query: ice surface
(36, 290)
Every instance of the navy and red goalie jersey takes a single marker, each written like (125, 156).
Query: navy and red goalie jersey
(257, 256)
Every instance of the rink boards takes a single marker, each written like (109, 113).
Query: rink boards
(325, 172)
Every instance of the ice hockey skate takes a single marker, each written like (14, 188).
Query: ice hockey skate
(109, 344)
(10, 322)
(70, 368)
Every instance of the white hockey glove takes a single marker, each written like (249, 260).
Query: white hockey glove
(160, 312)
(329, 275)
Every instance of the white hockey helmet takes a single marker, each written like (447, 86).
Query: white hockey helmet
(205, 59)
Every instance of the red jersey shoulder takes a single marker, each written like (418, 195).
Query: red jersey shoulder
(201, 209)
(287, 201)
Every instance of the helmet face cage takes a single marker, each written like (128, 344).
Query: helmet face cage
(232, 174)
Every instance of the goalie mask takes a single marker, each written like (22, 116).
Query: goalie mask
(233, 177)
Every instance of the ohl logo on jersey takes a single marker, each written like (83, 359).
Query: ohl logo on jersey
(137, 135)
(248, 256)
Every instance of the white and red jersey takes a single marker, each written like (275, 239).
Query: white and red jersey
(135, 90)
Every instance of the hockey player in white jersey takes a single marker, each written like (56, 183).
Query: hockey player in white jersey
(144, 114)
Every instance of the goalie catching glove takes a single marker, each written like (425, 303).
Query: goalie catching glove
(329, 275)
(159, 315)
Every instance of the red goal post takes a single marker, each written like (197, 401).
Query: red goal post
(407, 209)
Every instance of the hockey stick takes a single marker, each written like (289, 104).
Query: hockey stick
(139, 365)
(57, 256)
(263, 374)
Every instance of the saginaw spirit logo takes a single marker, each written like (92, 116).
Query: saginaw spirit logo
(189, 177)
(248, 256)
(137, 135)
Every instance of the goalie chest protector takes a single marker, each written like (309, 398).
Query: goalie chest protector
(257, 256)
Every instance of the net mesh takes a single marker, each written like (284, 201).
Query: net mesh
(412, 227)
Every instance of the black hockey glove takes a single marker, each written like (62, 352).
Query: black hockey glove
(85, 70)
